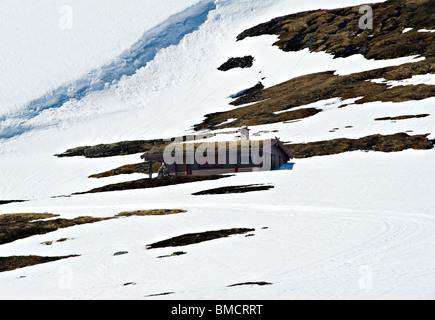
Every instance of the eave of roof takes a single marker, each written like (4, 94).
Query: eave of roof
(230, 144)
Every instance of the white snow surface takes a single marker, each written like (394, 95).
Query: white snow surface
(428, 79)
(358, 225)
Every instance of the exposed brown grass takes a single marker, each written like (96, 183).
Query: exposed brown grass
(260, 283)
(19, 226)
(194, 238)
(49, 243)
(127, 169)
(239, 62)
(17, 262)
(116, 149)
(234, 189)
(311, 88)
(175, 254)
(152, 183)
(247, 116)
(2, 202)
(405, 117)
(337, 31)
(158, 212)
(24, 217)
(391, 143)
(22, 225)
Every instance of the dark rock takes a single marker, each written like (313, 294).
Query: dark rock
(120, 253)
(243, 62)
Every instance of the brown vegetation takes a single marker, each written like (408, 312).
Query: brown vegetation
(311, 88)
(337, 32)
(160, 294)
(158, 212)
(392, 143)
(2, 202)
(417, 116)
(17, 262)
(240, 62)
(151, 183)
(20, 226)
(234, 189)
(115, 149)
(194, 238)
(128, 169)
(175, 254)
(260, 283)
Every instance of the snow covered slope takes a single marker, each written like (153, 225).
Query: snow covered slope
(355, 225)
(48, 44)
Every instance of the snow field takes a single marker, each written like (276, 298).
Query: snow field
(331, 223)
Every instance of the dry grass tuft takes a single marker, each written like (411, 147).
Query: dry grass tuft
(337, 32)
(315, 87)
(234, 189)
(194, 238)
(391, 143)
(417, 116)
(19, 226)
(17, 262)
(127, 169)
(157, 212)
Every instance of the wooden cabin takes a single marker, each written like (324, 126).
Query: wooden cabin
(222, 157)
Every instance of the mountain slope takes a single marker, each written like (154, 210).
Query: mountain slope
(353, 225)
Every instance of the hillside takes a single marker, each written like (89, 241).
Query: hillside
(354, 218)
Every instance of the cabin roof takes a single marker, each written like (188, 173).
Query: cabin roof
(230, 145)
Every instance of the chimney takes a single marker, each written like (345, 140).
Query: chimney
(244, 133)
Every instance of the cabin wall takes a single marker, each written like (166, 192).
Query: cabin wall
(277, 158)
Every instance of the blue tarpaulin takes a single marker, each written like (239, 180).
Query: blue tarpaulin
(287, 166)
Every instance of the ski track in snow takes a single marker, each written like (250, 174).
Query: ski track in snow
(168, 33)
(398, 233)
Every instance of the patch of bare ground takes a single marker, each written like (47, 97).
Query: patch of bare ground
(127, 147)
(160, 294)
(152, 183)
(17, 262)
(157, 212)
(49, 243)
(234, 189)
(311, 88)
(2, 202)
(260, 283)
(194, 238)
(19, 226)
(405, 117)
(390, 143)
(116, 149)
(127, 169)
(337, 32)
(175, 254)
(239, 62)
(23, 225)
